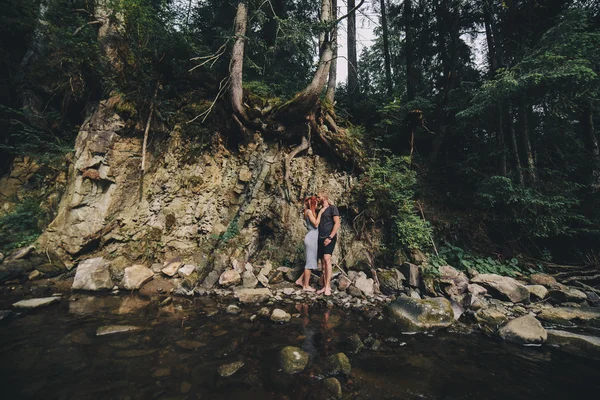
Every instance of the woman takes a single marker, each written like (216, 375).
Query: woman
(310, 241)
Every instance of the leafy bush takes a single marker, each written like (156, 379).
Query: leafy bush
(23, 225)
(385, 193)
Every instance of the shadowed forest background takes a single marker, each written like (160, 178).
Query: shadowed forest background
(492, 167)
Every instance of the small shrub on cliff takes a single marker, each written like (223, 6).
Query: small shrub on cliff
(23, 225)
(385, 193)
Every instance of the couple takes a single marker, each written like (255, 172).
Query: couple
(320, 240)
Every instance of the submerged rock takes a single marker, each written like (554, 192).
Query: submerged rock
(135, 276)
(189, 344)
(279, 315)
(503, 287)
(338, 364)
(230, 369)
(331, 389)
(293, 360)
(420, 314)
(524, 330)
(355, 344)
(112, 329)
(93, 274)
(582, 345)
(36, 303)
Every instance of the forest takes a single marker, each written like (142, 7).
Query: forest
(470, 123)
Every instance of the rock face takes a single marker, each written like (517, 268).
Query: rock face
(293, 360)
(229, 278)
(252, 295)
(582, 345)
(135, 276)
(524, 330)
(420, 314)
(36, 303)
(503, 287)
(569, 316)
(93, 274)
(391, 281)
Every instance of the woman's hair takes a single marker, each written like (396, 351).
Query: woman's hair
(310, 203)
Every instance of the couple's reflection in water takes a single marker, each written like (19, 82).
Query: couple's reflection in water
(316, 330)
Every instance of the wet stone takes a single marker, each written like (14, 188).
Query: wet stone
(4, 314)
(230, 369)
(293, 360)
(264, 312)
(113, 329)
(355, 345)
(338, 364)
(233, 309)
(331, 389)
(279, 315)
(161, 373)
(134, 353)
(189, 344)
(36, 303)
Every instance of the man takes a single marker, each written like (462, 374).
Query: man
(328, 229)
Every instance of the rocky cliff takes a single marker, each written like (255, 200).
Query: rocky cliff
(206, 206)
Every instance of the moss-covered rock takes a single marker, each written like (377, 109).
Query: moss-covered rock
(338, 364)
(293, 360)
(420, 314)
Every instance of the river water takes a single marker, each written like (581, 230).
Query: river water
(54, 353)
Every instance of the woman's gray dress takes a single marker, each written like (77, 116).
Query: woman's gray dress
(311, 242)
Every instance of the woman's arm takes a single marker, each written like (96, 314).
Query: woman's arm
(319, 216)
(311, 217)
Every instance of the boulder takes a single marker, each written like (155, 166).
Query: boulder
(412, 273)
(503, 287)
(279, 315)
(249, 280)
(524, 330)
(229, 278)
(581, 345)
(245, 295)
(571, 316)
(135, 276)
(476, 290)
(344, 282)
(563, 294)
(453, 282)
(338, 364)
(420, 314)
(93, 274)
(171, 268)
(293, 360)
(538, 292)
(37, 303)
(364, 284)
(391, 281)
(543, 279)
(491, 317)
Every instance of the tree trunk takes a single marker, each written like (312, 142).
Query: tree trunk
(386, 49)
(501, 146)
(236, 67)
(492, 56)
(526, 140)
(330, 94)
(411, 76)
(587, 122)
(352, 58)
(510, 126)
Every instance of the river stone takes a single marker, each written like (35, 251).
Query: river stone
(259, 295)
(264, 312)
(135, 276)
(476, 290)
(279, 315)
(171, 268)
(266, 269)
(292, 360)
(186, 270)
(262, 278)
(364, 284)
(582, 345)
(331, 389)
(112, 329)
(354, 291)
(412, 273)
(233, 309)
(35, 274)
(344, 283)
(538, 292)
(524, 330)
(420, 314)
(390, 281)
(543, 279)
(249, 280)
(338, 364)
(491, 317)
(570, 316)
(566, 294)
(229, 278)
(230, 369)
(189, 344)
(453, 281)
(36, 303)
(503, 287)
(93, 274)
